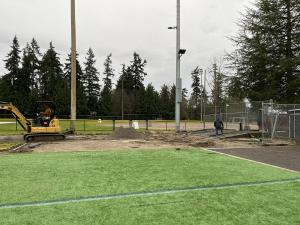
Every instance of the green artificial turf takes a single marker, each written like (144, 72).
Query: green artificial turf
(52, 176)
(270, 205)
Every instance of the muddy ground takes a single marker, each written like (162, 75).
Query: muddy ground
(145, 141)
(128, 138)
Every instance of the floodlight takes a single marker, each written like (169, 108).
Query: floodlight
(181, 52)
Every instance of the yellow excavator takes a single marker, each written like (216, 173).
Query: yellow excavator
(44, 127)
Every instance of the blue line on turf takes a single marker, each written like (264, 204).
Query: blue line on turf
(149, 193)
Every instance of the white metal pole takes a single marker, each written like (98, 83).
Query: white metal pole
(226, 107)
(122, 98)
(294, 121)
(178, 81)
(73, 66)
(201, 100)
(263, 122)
(204, 106)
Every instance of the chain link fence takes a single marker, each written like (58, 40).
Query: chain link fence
(280, 121)
(235, 116)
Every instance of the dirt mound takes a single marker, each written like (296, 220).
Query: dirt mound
(127, 133)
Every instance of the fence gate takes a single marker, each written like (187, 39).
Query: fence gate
(280, 121)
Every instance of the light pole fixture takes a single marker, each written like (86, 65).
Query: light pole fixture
(179, 53)
(73, 67)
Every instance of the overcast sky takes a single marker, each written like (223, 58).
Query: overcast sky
(121, 27)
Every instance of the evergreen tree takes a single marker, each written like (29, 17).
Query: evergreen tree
(172, 102)
(151, 100)
(132, 78)
(267, 52)
(164, 104)
(106, 93)
(140, 101)
(137, 71)
(184, 109)
(12, 65)
(125, 80)
(53, 85)
(124, 91)
(218, 88)
(91, 82)
(35, 56)
(28, 81)
(195, 99)
(23, 82)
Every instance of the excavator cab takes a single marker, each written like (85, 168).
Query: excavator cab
(45, 112)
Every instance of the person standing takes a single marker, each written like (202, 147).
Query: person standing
(218, 124)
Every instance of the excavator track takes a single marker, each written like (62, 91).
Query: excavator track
(43, 137)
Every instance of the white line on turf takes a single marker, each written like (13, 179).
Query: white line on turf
(145, 194)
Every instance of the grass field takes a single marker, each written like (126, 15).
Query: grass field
(83, 127)
(57, 176)
(88, 126)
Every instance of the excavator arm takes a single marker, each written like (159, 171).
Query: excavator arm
(24, 123)
(35, 133)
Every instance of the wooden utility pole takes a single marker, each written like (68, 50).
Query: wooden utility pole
(73, 67)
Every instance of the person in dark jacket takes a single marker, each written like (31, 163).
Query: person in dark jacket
(219, 126)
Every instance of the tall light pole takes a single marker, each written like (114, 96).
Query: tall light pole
(204, 93)
(73, 67)
(178, 80)
(179, 53)
(201, 100)
(122, 98)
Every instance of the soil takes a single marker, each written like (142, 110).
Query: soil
(104, 143)
(127, 133)
(283, 156)
(125, 139)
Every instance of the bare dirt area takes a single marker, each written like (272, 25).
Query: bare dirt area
(126, 139)
(104, 143)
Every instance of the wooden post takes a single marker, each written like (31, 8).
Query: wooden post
(73, 67)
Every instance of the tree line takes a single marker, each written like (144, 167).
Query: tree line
(34, 76)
